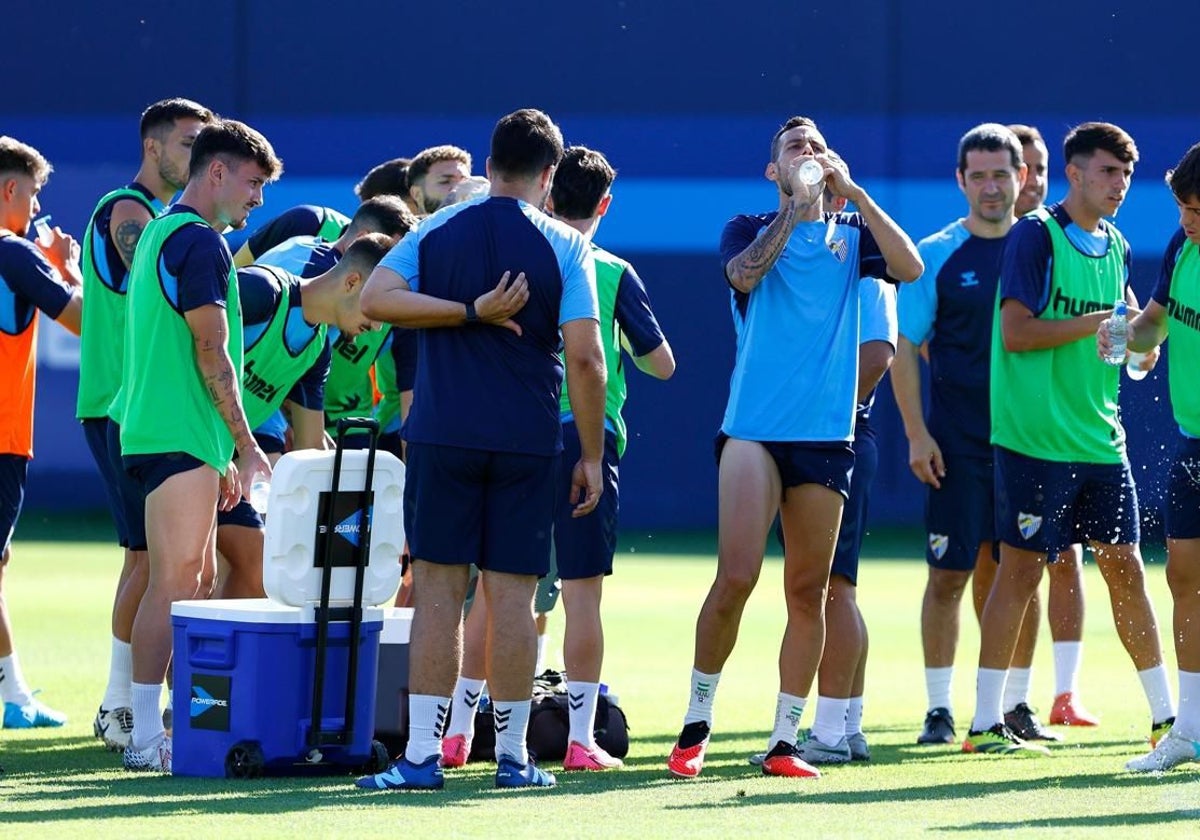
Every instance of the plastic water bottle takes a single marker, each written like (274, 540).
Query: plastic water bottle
(1118, 334)
(1133, 366)
(260, 493)
(44, 234)
(811, 173)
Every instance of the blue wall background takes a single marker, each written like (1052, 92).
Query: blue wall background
(682, 97)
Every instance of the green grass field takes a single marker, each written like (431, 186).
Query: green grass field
(61, 782)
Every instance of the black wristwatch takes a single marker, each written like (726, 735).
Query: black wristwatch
(472, 318)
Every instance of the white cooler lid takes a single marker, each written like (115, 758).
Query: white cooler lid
(256, 611)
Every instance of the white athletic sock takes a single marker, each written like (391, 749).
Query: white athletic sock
(788, 710)
(1067, 656)
(581, 701)
(989, 690)
(704, 689)
(1158, 692)
(829, 726)
(937, 686)
(118, 694)
(1187, 721)
(539, 664)
(1016, 688)
(426, 721)
(147, 716)
(854, 715)
(512, 721)
(13, 688)
(463, 707)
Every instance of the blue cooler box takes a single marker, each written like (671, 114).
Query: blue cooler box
(243, 685)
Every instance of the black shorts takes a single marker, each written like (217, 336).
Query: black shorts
(152, 470)
(13, 472)
(493, 509)
(827, 464)
(584, 546)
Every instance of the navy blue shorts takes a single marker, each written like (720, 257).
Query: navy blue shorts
(1183, 491)
(242, 514)
(13, 470)
(152, 470)
(854, 514)
(826, 464)
(270, 443)
(124, 496)
(962, 514)
(584, 547)
(493, 509)
(1047, 506)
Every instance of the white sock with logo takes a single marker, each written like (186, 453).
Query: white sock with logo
(467, 693)
(426, 721)
(512, 722)
(581, 701)
(13, 688)
(854, 716)
(788, 710)
(704, 689)
(119, 692)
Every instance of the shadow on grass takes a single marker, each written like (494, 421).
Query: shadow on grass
(1092, 821)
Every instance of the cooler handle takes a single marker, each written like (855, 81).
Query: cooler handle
(211, 649)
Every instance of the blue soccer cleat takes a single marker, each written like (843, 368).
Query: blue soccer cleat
(404, 775)
(32, 715)
(510, 773)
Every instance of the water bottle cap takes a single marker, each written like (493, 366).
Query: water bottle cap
(1120, 308)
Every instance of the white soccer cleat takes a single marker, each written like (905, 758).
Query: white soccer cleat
(1172, 750)
(156, 758)
(113, 727)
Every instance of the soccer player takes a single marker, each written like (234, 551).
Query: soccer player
(584, 546)
(285, 320)
(836, 735)
(1174, 309)
(484, 436)
(950, 307)
(1061, 472)
(387, 178)
(1064, 607)
(183, 355)
(325, 223)
(168, 128)
(784, 445)
(433, 173)
(348, 391)
(41, 277)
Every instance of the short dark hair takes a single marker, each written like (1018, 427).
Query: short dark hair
(230, 138)
(425, 159)
(365, 253)
(160, 118)
(386, 214)
(524, 143)
(793, 122)
(1084, 140)
(21, 158)
(990, 137)
(387, 178)
(1027, 134)
(580, 182)
(1184, 179)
